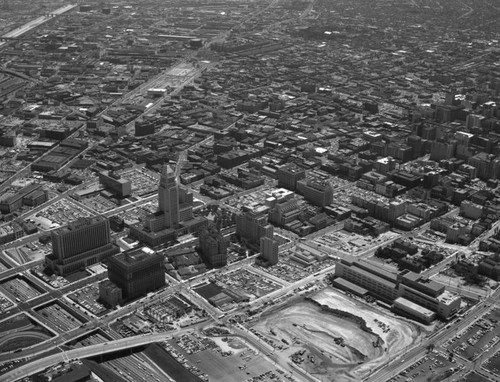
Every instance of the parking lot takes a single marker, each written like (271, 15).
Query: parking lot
(210, 358)
(57, 317)
(286, 271)
(478, 337)
(493, 363)
(350, 243)
(194, 343)
(138, 214)
(18, 288)
(58, 214)
(98, 203)
(435, 364)
(249, 282)
(291, 271)
(86, 298)
(5, 303)
(474, 377)
(143, 182)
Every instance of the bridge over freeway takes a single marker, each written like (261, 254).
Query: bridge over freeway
(41, 364)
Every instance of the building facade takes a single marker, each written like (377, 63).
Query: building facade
(289, 175)
(419, 295)
(119, 186)
(269, 249)
(81, 243)
(137, 271)
(213, 247)
(252, 226)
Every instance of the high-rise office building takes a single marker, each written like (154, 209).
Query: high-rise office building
(81, 243)
(317, 193)
(174, 216)
(269, 248)
(137, 272)
(285, 212)
(168, 197)
(252, 226)
(289, 174)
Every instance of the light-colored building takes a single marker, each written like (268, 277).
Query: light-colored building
(427, 295)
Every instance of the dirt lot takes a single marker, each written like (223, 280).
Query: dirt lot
(334, 345)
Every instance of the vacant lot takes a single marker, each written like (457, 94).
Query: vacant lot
(348, 340)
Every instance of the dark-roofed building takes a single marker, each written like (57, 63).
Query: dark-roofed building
(12, 201)
(137, 272)
(289, 175)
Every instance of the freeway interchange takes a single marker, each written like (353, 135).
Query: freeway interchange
(36, 356)
(36, 361)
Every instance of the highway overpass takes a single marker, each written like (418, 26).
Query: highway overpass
(89, 351)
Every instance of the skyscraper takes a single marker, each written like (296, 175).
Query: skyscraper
(269, 248)
(81, 243)
(168, 197)
(174, 216)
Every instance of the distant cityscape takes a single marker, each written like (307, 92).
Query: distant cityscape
(243, 191)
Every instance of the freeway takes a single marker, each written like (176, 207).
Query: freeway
(88, 351)
(19, 31)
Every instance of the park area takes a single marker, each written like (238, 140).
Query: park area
(330, 334)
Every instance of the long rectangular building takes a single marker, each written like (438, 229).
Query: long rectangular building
(425, 295)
